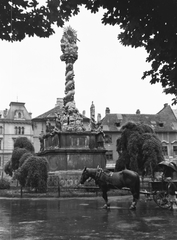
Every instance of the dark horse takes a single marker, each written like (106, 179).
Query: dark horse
(114, 180)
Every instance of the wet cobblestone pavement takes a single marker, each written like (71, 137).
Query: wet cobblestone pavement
(84, 218)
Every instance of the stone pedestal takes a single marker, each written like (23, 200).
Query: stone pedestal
(69, 152)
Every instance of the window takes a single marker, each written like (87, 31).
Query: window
(165, 150)
(0, 162)
(109, 155)
(0, 144)
(16, 130)
(175, 150)
(19, 130)
(19, 115)
(117, 124)
(0, 129)
(161, 124)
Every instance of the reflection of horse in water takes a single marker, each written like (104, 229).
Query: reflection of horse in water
(114, 180)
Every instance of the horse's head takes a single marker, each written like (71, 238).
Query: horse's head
(85, 175)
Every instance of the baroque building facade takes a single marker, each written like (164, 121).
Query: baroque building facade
(14, 122)
(164, 124)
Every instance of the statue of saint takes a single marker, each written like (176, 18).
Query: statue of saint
(41, 139)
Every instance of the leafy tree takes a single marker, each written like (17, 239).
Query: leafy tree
(139, 149)
(21, 18)
(151, 24)
(24, 142)
(33, 173)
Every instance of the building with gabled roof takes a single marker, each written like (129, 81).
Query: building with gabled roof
(175, 112)
(14, 122)
(164, 124)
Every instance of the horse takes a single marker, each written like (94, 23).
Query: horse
(107, 180)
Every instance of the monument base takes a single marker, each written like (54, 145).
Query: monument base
(71, 153)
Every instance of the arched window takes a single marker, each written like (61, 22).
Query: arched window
(19, 115)
(19, 130)
(23, 130)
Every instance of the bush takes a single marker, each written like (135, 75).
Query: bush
(33, 173)
(16, 155)
(4, 184)
(139, 149)
(24, 142)
(24, 157)
(8, 168)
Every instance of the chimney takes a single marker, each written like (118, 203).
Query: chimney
(107, 111)
(59, 102)
(138, 111)
(5, 113)
(83, 113)
(30, 114)
(165, 105)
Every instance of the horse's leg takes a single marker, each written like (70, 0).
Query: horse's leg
(135, 190)
(135, 195)
(133, 205)
(105, 197)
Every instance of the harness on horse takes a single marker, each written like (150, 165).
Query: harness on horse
(100, 171)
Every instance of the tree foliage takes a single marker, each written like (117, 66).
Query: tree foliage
(24, 157)
(33, 173)
(151, 24)
(16, 155)
(21, 18)
(22, 148)
(139, 149)
(8, 168)
(29, 169)
(24, 142)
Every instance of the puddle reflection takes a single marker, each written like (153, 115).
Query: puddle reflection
(84, 219)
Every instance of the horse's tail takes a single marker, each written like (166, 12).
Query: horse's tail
(137, 186)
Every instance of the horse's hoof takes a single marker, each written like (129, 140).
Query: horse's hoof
(106, 206)
(132, 208)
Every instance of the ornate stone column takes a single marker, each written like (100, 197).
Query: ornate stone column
(71, 119)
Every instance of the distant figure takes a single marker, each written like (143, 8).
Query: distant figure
(171, 189)
(57, 122)
(100, 137)
(41, 139)
(48, 126)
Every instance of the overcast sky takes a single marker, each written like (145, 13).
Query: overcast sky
(106, 72)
